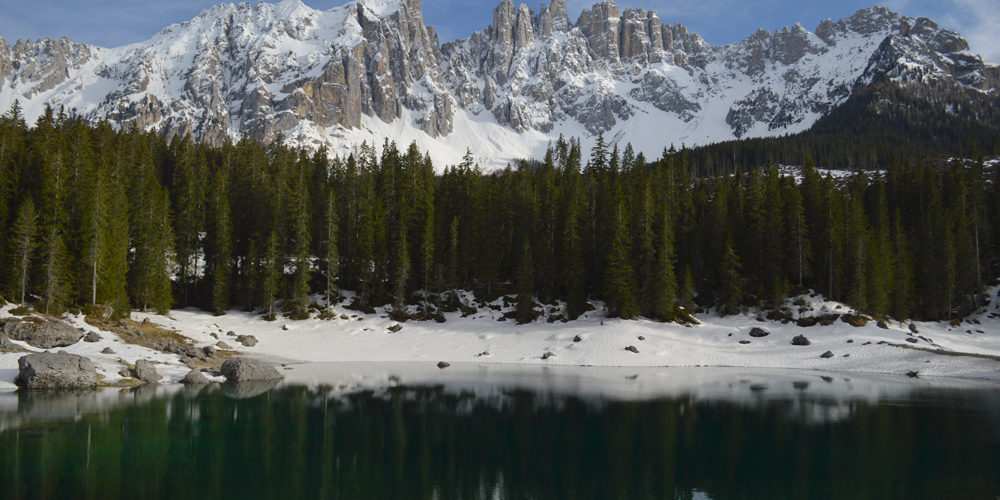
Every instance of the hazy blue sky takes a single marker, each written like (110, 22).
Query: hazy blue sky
(117, 22)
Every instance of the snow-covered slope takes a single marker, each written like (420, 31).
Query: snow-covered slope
(372, 69)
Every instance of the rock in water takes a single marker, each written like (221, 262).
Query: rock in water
(395, 328)
(146, 371)
(222, 345)
(195, 377)
(247, 369)
(107, 350)
(632, 348)
(827, 355)
(759, 333)
(56, 371)
(92, 337)
(443, 364)
(801, 340)
(578, 339)
(548, 355)
(42, 333)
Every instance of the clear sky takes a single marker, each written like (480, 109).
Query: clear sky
(117, 22)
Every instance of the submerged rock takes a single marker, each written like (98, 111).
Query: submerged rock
(55, 371)
(247, 369)
(146, 371)
(42, 333)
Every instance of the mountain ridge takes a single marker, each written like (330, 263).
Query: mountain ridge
(372, 69)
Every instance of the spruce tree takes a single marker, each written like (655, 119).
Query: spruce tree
(332, 256)
(25, 228)
(56, 272)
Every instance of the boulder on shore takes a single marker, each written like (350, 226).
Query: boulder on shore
(247, 369)
(56, 371)
(195, 377)
(247, 340)
(800, 340)
(759, 333)
(42, 333)
(146, 371)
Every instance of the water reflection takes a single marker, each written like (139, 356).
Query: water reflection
(406, 433)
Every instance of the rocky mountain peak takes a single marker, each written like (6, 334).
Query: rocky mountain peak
(373, 68)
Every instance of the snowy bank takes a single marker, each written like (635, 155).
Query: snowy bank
(969, 350)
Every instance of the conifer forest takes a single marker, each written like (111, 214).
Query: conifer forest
(94, 216)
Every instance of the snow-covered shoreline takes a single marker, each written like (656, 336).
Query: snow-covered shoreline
(592, 340)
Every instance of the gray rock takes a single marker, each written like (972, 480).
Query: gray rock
(209, 351)
(632, 348)
(247, 340)
(443, 364)
(745, 342)
(42, 333)
(578, 339)
(801, 340)
(195, 377)
(759, 333)
(92, 337)
(107, 350)
(146, 371)
(248, 369)
(56, 371)
(827, 355)
(882, 324)
(913, 374)
(548, 355)
(913, 328)
(7, 346)
(222, 345)
(395, 328)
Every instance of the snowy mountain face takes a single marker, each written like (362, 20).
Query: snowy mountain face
(372, 69)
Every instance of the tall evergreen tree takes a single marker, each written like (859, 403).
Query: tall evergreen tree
(25, 229)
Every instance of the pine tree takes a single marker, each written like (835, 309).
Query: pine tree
(332, 256)
(25, 229)
(732, 285)
(524, 311)
(619, 283)
(270, 273)
(56, 277)
(221, 246)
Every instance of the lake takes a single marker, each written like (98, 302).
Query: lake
(354, 431)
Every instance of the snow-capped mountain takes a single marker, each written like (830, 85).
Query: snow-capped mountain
(372, 69)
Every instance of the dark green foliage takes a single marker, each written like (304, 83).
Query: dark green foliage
(128, 219)
(24, 231)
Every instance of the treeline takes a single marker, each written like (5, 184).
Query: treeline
(877, 125)
(126, 219)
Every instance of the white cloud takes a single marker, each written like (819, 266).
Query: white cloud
(978, 22)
